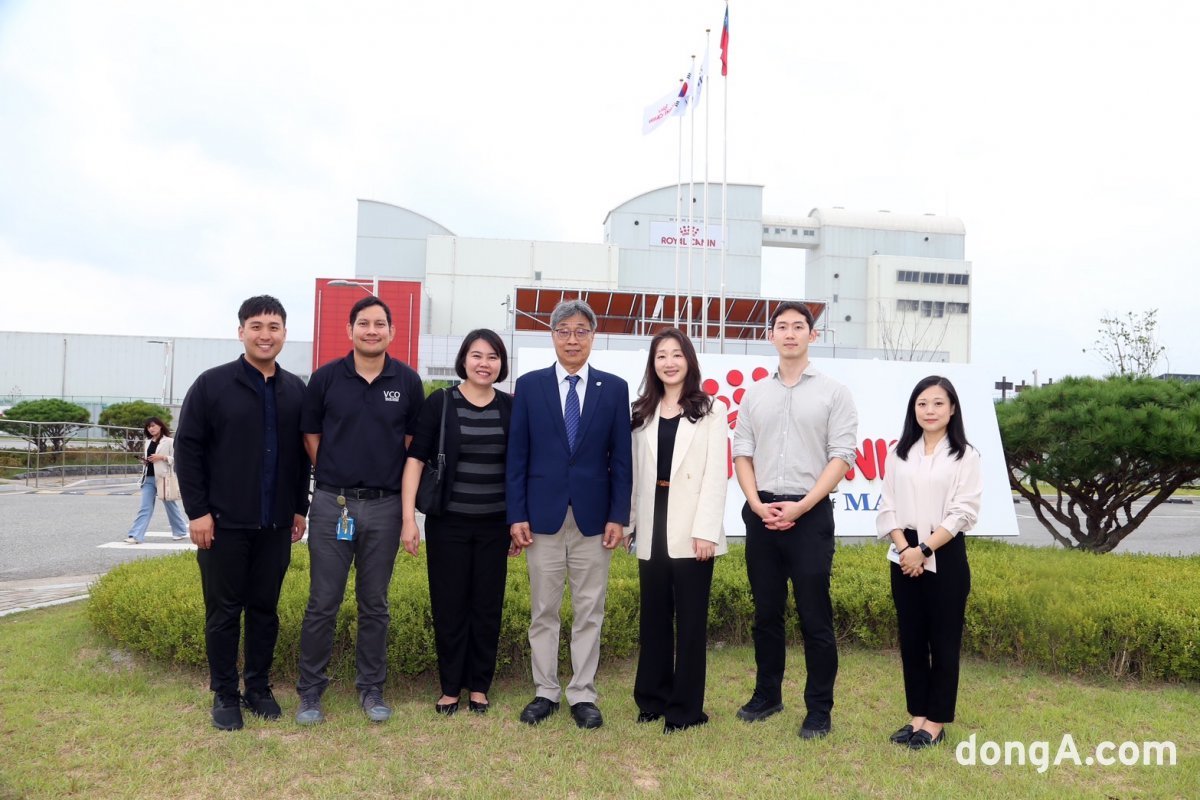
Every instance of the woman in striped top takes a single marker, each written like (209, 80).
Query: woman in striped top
(468, 540)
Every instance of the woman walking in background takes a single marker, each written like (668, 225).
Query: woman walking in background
(467, 538)
(931, 494)
(158, 459)
(679, 483)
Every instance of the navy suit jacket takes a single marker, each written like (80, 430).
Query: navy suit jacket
(544, 476)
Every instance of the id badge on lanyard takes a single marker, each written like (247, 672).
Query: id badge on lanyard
(345, 523)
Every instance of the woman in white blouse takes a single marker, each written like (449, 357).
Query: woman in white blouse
(931, 491)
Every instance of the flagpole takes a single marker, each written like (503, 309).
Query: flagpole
(704, 252)
(691, 203)
(724, 162)
(678, 214)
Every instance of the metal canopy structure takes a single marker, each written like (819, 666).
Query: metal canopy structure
(646, 313)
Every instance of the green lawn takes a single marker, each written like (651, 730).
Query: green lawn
(80, 718)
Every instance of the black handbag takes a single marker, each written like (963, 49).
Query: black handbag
(433, 474)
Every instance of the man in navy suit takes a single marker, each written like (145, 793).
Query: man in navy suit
(569, 482)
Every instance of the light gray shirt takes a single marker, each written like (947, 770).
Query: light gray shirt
(793, 432)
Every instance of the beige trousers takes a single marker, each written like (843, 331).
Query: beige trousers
(554, 559)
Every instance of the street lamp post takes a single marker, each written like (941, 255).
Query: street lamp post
(168, 369)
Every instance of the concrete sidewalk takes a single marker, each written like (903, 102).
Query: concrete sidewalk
(25, 595)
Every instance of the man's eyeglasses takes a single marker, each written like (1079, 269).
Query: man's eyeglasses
(565, 334)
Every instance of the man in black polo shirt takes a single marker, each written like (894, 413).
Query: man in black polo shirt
(358, 419)
(243, 476)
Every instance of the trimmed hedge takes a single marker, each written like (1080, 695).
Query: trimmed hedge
(1065, 611)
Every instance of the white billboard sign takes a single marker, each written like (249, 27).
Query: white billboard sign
(880, 390)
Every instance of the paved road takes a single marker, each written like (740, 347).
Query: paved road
(52, 534)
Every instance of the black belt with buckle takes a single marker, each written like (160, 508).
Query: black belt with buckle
(356, 493)
(768, 497)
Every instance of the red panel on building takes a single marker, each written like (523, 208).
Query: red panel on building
(336, 296)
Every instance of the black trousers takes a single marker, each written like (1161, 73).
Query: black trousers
(673, 629)
(930, 610)
(242, 572)
(802, 554)
(467, 558)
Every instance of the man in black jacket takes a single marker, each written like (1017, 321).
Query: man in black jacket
(243, 477)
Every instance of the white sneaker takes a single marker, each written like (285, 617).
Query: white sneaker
(131, 540)
(175, 538)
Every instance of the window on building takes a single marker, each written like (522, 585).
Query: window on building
(907, 276)
(808, 232)
(933, 277)
(957, 279)
(908, 305)
(931, 308)
(958, 308)
(795, 232)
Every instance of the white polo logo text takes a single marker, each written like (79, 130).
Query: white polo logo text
(391, 396)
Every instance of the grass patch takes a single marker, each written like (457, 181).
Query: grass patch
(81, 717)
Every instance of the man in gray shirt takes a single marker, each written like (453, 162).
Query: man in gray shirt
(793, 443)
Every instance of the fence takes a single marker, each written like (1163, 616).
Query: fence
(59, 453)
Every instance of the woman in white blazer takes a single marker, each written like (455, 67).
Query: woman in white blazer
(679, 481)
(158, 453)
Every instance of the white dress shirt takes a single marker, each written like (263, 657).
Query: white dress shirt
(927, 492)
(564, 385)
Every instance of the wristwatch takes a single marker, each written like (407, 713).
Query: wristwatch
(926, 550)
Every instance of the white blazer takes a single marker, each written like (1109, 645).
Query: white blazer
(166, 447)
(699, 481)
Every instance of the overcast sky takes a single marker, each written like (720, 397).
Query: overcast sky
(161, 161)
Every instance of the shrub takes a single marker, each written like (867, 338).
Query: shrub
(1065, 611)
(124, 422)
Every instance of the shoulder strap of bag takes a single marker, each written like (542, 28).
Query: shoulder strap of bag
(441, 456)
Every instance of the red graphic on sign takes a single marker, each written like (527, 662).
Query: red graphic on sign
(732, 398)
(870, 459)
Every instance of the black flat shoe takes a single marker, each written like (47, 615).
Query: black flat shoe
(648, 716)
(921, 739)
(669, 727)
(478, 708)
(446, 708)
(902, 736)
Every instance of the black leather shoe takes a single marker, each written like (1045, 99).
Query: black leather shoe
(478, 708)
(816, 726)
(261, 703)
(648, 716)
(446, 708)
(227, 712)
(759, 708)
(671, 728)
(902, 736)
(921, 739)
(587, 715)
(538, 709)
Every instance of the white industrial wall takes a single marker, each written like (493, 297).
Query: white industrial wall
(644, 266)
(117, 368)
(391, 241)
(889, 329)
(468, 280)
(837, 270)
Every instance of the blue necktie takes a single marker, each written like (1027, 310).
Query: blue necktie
(571, 412)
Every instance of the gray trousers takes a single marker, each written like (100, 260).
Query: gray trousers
(553, 560)
(373, 554)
